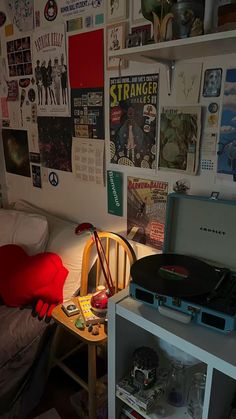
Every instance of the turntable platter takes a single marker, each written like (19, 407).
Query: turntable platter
(174, 275)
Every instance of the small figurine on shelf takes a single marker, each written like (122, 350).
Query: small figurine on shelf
(145, 364)
(159, 13)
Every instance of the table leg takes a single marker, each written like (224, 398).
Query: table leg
(92, 379)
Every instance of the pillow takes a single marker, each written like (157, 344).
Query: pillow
(64, 242)
(27, 230)
(25, 279)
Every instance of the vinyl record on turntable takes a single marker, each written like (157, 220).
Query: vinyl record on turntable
(174, 275)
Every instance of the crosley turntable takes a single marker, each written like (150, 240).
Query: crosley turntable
(194, 278)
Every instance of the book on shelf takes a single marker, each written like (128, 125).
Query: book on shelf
(144, 399)
(89, 316)
(130, 413)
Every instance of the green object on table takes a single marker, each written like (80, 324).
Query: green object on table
(79, 324)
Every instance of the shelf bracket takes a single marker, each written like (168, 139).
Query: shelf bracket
(170, 67)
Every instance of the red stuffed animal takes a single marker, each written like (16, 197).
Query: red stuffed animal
(27, 279)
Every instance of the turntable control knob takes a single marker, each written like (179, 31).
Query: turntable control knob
(193, 310)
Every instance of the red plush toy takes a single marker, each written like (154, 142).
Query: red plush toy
(28, 279)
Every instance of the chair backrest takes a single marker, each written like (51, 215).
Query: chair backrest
(119, 255)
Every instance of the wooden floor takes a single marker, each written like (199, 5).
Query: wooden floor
(60, 387)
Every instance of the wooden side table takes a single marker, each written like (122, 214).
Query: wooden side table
(92, 341)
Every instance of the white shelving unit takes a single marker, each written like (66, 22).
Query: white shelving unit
(218, 43)
(133, 324)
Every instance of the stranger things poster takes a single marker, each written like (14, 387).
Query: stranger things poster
(133, 120)
(146, 210)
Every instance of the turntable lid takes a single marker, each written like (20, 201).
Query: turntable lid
(201, 227)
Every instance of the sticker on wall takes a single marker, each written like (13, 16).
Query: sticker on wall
(88, 21)
(2, 18)
(50, 10)
(9, 30)
(13, 90)
(36, 176)
(99, 19)
(34, 157)
(115, 193)
(53, 178)
(16, 152)
(212, 116)
(212, 82)
(75, 24)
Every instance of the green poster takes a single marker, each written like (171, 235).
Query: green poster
(115, 192)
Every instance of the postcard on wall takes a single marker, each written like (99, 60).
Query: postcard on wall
(87, 160)
(19, 57)
(146, 209)
(180, 130)
(50, 71)
(55, 140)
(21, 12)
(227, 143)
(133, 119)
(16, 151)
(87, 112)
(187, 82)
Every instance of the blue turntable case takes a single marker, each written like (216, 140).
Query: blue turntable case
(203, 228)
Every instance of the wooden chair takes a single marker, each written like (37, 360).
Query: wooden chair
(120, 256)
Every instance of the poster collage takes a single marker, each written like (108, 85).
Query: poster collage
(52, 108)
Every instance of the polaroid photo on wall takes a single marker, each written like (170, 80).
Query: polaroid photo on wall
(212, 82)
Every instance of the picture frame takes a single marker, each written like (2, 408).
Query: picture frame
(115, 36)
(137, 16)
(212, 82)
(117, 10)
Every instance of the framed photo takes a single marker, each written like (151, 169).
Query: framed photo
(137, 15)
(116, 10)
(212, 82)
(115, 40)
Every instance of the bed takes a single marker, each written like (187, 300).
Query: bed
(25, 340)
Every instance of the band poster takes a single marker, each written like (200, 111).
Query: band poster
(87, 111)
(146, 208)
(50, 71)
(180, 130)
(133, 120)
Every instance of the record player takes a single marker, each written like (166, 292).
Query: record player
(194, 279)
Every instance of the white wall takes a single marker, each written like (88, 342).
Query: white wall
(83, 202)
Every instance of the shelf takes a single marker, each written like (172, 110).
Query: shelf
(218, 43)
(214, 348)
(170, 412)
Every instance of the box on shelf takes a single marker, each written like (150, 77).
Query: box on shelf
(143, 399)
